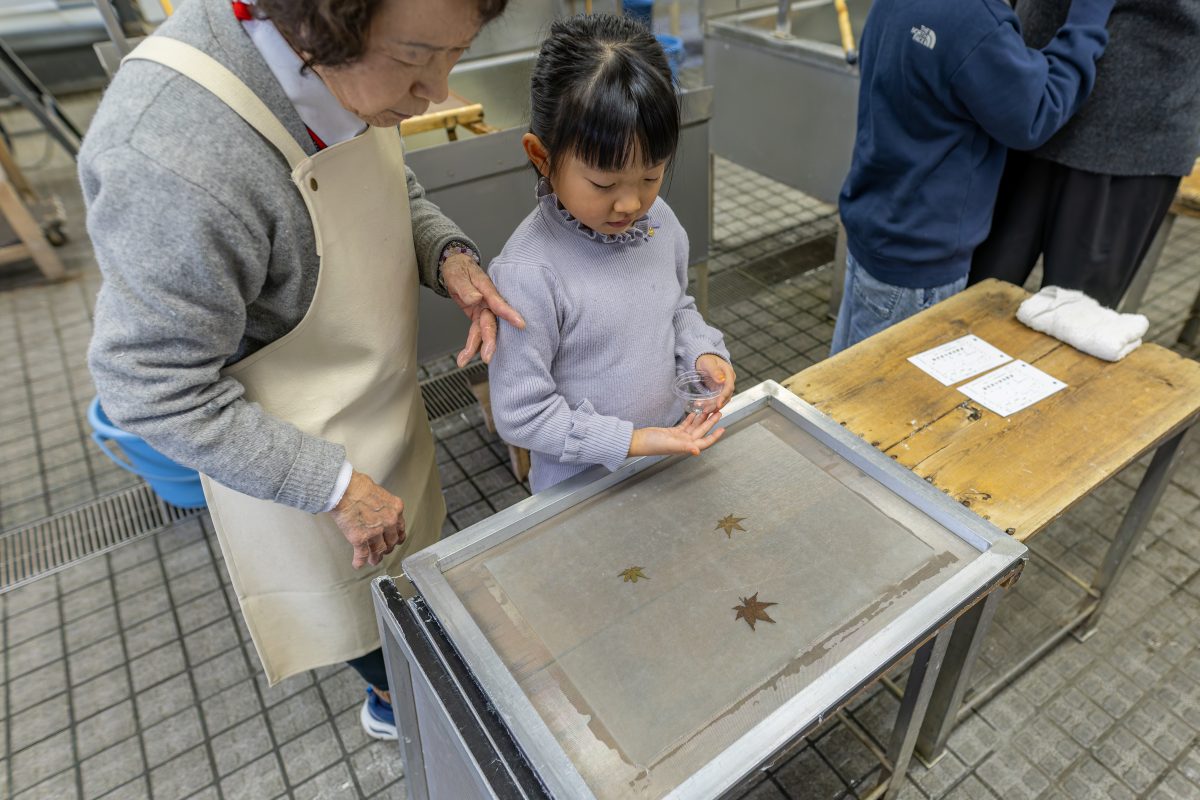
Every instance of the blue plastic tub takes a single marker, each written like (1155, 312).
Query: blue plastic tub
(178, 485)
(641, 10)
(673, 47)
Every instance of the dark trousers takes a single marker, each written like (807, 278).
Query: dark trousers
(1091, 230)
(371, 668)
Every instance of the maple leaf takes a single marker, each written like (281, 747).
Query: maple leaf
(729, 525)
(632, 574)
(753, 611)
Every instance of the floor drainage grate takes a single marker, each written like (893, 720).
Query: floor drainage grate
(55, 543)
(450, 392)
(52, 544)
(795, 260)
(729, 287)
(734, 285)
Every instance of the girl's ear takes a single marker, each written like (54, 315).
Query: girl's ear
(537, 153)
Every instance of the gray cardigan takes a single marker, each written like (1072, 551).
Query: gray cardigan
(1143, 117)
(207, 254)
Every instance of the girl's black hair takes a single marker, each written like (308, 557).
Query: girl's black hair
(602, 90)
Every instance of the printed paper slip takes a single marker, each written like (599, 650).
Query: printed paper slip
(1012, 388)
(963, 358)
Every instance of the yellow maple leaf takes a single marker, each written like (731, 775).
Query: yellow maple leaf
(632, 574)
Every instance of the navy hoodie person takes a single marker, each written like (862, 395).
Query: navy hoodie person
(947, 87)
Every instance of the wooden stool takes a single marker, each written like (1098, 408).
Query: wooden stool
(16, 197)
(518, 456)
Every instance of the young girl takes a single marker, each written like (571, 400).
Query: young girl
(599, 268)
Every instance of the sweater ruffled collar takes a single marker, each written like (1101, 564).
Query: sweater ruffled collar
(640, 230)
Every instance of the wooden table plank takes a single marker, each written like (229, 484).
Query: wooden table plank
(866, 386)
(1024, 471)
(453, 111)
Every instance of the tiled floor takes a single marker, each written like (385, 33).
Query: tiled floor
(47, 462)
(131, 675)
(754, 216)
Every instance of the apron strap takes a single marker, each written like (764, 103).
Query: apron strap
(218, 79)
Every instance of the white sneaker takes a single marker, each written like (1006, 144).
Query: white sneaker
(377, 718)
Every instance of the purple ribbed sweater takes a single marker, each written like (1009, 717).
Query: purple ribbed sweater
(609, 326)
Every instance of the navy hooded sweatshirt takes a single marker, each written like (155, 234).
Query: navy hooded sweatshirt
(947, 87)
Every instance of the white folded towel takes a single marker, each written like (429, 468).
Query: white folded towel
(1073, 317)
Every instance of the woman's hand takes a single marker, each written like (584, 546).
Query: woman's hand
(476, 295)
(371, 518)
(687, 438)
(717, 372)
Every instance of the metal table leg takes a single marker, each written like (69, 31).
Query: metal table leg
(1192, 327)
(971, 629)
(112, 24)
(37, 100)
(921, 679)
(1145, 500)
(965, 642)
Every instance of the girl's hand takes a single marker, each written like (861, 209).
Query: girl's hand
(717, 372)
(687, 438)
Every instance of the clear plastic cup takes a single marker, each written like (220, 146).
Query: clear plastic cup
(697, 394)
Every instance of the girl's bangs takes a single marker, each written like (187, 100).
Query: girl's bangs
(613, 124)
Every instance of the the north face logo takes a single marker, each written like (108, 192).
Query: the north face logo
(925, 36)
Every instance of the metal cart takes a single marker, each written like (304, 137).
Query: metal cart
(604, 639)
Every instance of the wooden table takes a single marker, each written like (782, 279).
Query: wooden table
(1020, 472)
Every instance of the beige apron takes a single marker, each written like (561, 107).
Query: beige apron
(347, 373)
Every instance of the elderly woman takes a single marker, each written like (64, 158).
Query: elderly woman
(262, 244)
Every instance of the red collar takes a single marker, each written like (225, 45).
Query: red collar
(316, 139)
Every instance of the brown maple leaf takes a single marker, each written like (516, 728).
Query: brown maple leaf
(632, 574)
(753, 611)
(730, 524)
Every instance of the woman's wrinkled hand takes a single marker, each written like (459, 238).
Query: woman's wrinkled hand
(689, 437)
(473, 291)
(371, 518)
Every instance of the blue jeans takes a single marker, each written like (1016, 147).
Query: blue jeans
(370, 667)
(870, 305)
